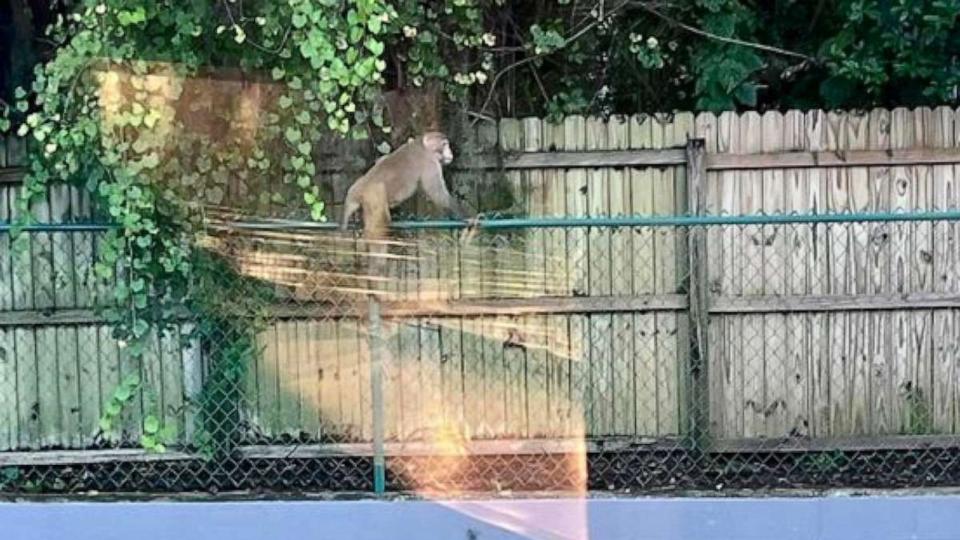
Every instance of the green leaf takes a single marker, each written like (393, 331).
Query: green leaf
(106, 425)
(375, 25)
(317, 213)
(277, 73)
(115, 406)
(285, 102)
(148, 441)
(299, 20)
(375, 46)
(151, 424)
(304, 148)
(140, 328)
(293, 135)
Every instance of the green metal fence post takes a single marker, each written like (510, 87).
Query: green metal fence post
(376, 395)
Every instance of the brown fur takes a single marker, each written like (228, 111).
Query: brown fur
(392, 180)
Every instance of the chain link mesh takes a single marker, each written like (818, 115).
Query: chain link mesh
(540, 358)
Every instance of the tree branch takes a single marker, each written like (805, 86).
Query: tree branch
(524, 61)
(709, 35)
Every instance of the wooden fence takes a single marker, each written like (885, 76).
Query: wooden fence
(843, 333)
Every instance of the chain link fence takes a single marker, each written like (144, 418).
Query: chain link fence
(626, 354)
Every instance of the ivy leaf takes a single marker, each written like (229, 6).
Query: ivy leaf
(151, 424)
(122, 394)
(131, 381)
(114, 407)
(148, 441)
(375, 46)
(285, 102)
(299, 20)
(304, 148)
(277, 73)
(317, 211)
(375, 25)
(293, 135)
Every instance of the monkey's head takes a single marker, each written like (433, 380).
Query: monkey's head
(438, 144)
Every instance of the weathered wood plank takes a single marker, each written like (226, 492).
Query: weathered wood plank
(109, 366)
(48, 386)
(645, 374)
(354, 359)
(89, 359)
(28, 396)
(6, 258)
(536, 334)
(494, 379)
(668, 375)
(9, 424)
(510, 334)
(697, 350)
(430, 379)
(288, 378)
(474, 384)
(453, 391)
(268, 402)
(826, 303)
(172, 394)
(329, 374)
(192, 367)
(838, 158)
(68, 378)
(776, 134)
(622, 375)
(559, 360)
(579, 335)
(755, 353)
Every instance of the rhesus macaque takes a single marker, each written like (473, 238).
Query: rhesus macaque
(394, 178)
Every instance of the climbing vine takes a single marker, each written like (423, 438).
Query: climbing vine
(122, 110)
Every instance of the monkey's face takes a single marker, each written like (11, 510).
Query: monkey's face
(438, 143)
(446, 154)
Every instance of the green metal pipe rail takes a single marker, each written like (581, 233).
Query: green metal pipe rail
(546, 222)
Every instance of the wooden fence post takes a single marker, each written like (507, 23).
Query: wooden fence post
(699, 412)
